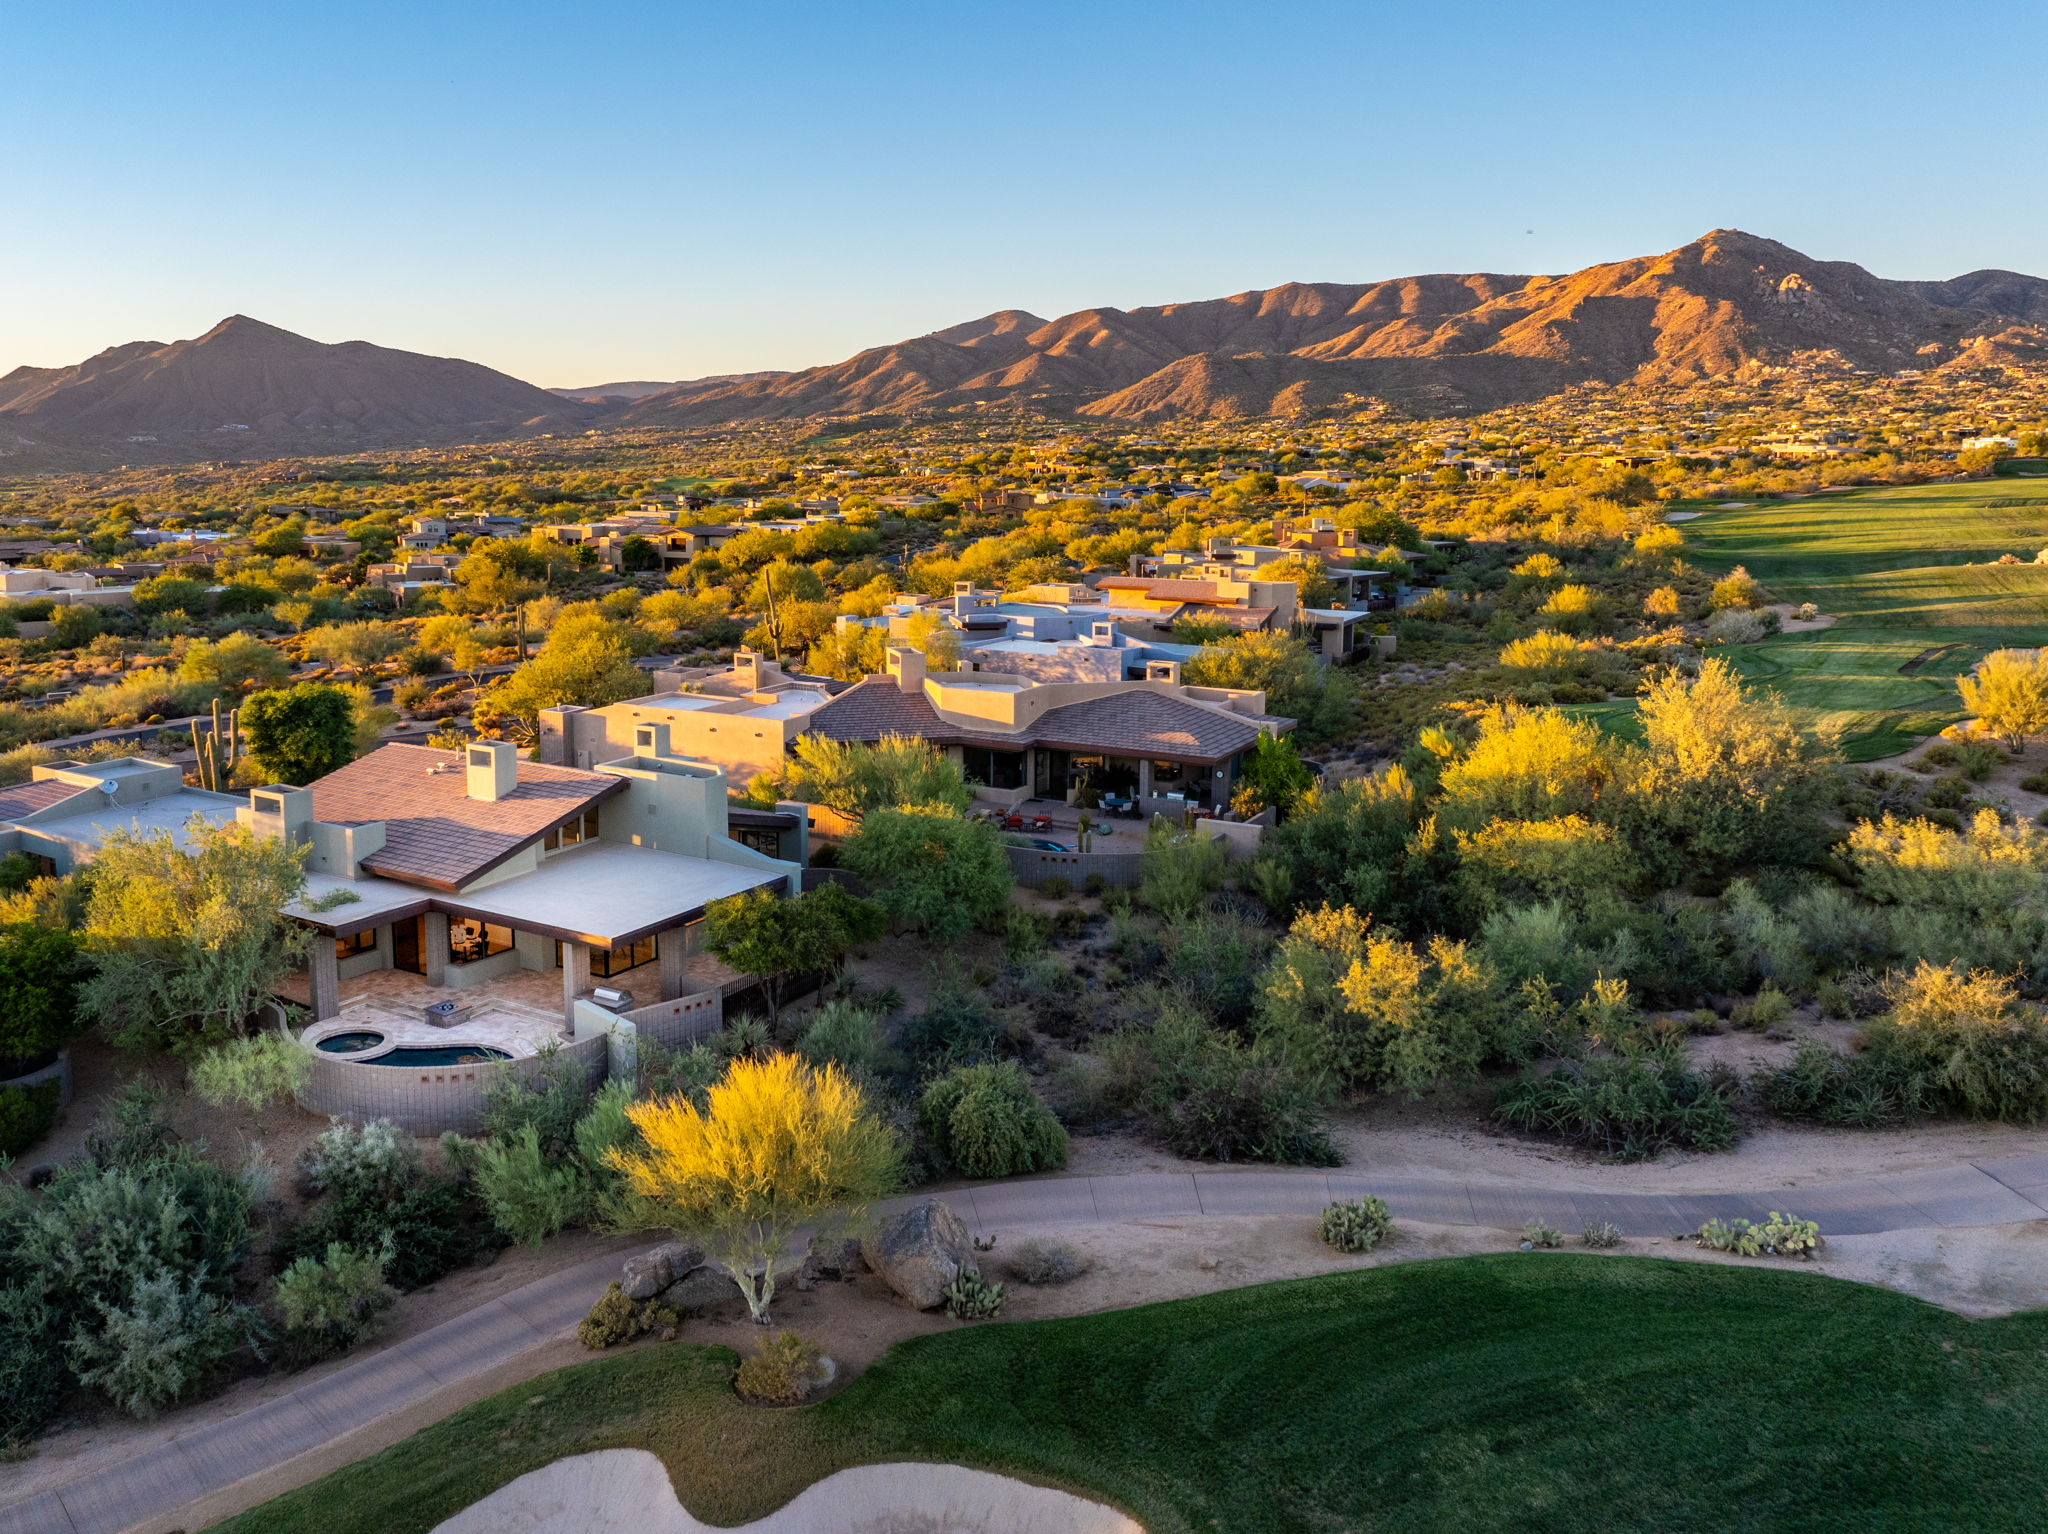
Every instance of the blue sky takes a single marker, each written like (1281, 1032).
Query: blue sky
(582, 194)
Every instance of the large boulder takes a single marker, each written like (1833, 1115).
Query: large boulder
(919, 1252)
(700, 1289)
(649, 1273)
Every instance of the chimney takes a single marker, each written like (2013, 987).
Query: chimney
(907, 666)
(746, 669)
(963, 598)
(493, 769)
(650, 740)
(280, 811)
(1167, 671)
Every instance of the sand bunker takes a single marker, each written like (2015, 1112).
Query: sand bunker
(627, 1491)
(1683, 516)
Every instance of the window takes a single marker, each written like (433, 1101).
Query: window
(997, 769)
(470, 940)
(606, 962)
(569, 833)
(348, 944)
(763, 839)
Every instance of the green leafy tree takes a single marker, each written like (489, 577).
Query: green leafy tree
(40, 972)
(189, 940)
(777, 938)
(1181, 868)
(934, 873)
(298, 734)
(1297, 686)
(1274, 771)
(985, 1121)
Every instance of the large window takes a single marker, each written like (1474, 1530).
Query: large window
(997, 769)
(607, 962)
(348, 944)
(470, 940)
(582, 829)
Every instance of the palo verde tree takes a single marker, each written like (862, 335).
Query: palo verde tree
(2009, 695)
(896, 772)
(300, 733)
(779, 938)
(189, 940)
(778, 1146)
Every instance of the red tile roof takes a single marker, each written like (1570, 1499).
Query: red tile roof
(434, 833)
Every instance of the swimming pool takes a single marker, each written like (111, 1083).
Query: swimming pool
(353, 1044)
(445, 1054)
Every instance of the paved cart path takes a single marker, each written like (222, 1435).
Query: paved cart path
(213, 1457)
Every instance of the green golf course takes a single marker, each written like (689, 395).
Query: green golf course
(1908, 575)
(1542, 1392)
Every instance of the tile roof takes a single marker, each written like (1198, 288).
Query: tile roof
(25, 797)
(1138, 722)
(434, 833)
(1161, 588)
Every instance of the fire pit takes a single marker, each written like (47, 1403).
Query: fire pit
(446, 1014)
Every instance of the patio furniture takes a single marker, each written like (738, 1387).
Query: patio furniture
(1013, 822)
(1041, 822)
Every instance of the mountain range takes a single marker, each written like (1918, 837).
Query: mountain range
(1723, 305)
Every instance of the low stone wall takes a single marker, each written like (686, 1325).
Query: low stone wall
(681, 1022)
(58, 1070)
(433, 1099)
(1032, 864)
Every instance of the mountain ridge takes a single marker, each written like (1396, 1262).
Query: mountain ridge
(1711, 308)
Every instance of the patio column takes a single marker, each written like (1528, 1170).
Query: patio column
(671, 951)
(434, 942)
(575, 976)
(1144, 782)
(324, 976)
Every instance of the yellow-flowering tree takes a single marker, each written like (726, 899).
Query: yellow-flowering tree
(777, 1146)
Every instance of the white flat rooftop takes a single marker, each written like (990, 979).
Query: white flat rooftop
(172, 813)
(599, 894)
(787, 704)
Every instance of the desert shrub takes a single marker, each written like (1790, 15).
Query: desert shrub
(1094, 886)
(27, 1114)
(614, 1319)
(985, 1121)
(31, 1363)
(255, 1071)
(745, 1037)
(1941, 754)
(1982, 1053)
(368, 1160)
(549, 1102)
(157, 1343)
(1767, 1009)
(1234, 1104)
(1217, 957)
(846, 1034)
(1736, 625)
(1779, 1235)
(1055, 886)
(1629, 1107)
(1051, 990)
(1540, 1235)
(1362, 1009)
(1356, 1225)
(530, 1194)
(1181, 869)
(1600, 1235)
(331, 1302)
(2035, 782)
(1046, 1260)
(970, 1297)
(782, 1371)
(1025, 933)
(1871, 1090)
(1978, 759)
(957, 1027)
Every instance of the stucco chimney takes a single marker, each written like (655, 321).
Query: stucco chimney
(907, 666)
(493, 769)
(650, 740)
(746, 669)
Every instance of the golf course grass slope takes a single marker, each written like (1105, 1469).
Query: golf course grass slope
(1539, 1392)
(1909, 576)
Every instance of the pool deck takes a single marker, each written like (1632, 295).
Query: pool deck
(495, 1023)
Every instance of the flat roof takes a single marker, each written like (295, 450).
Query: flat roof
(787, 703)
(681, 700)
(170, 813)
(609, 893)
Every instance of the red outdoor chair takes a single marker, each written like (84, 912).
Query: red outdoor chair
(1041, 822)
(1013, 822)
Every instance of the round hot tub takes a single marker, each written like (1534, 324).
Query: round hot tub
(349, 1043)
